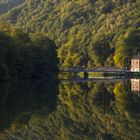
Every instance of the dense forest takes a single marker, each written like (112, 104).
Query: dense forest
(37, 36)
(26, 56)
(88, 32)
(106, 114)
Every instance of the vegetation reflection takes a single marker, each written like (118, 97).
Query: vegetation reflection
(87, 111)
(19, 101)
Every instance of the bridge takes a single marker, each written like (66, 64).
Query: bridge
(94, 69)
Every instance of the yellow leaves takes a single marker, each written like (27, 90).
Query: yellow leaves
(68, 54)
(6, 28)
(67, 7)
(121, 54)
(10, 30)
(118, 90)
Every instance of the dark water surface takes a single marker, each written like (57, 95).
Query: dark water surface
(80, 110)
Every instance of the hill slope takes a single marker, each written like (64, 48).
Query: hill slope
(24, 56)
(6, 5)
(89, 32)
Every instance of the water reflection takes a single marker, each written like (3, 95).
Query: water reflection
(21, 99)
(84, 111)
(135, 86)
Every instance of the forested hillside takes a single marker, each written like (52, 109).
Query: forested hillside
(88, 32)
(26, 56)
(6, 5)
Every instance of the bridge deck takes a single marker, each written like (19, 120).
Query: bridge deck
(95, 69)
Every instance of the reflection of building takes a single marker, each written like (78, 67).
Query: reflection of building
(135, 85)
(135, 63)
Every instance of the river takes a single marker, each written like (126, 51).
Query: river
(70, 110)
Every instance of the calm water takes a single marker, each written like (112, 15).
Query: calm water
(80, 110)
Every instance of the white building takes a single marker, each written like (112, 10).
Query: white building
(135, 63)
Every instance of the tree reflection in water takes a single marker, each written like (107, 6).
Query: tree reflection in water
(85, 111)
(20, 100)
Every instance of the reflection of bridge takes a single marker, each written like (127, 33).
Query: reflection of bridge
(94, 69)
(96, 80)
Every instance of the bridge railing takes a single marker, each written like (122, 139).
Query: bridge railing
(90, 69)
